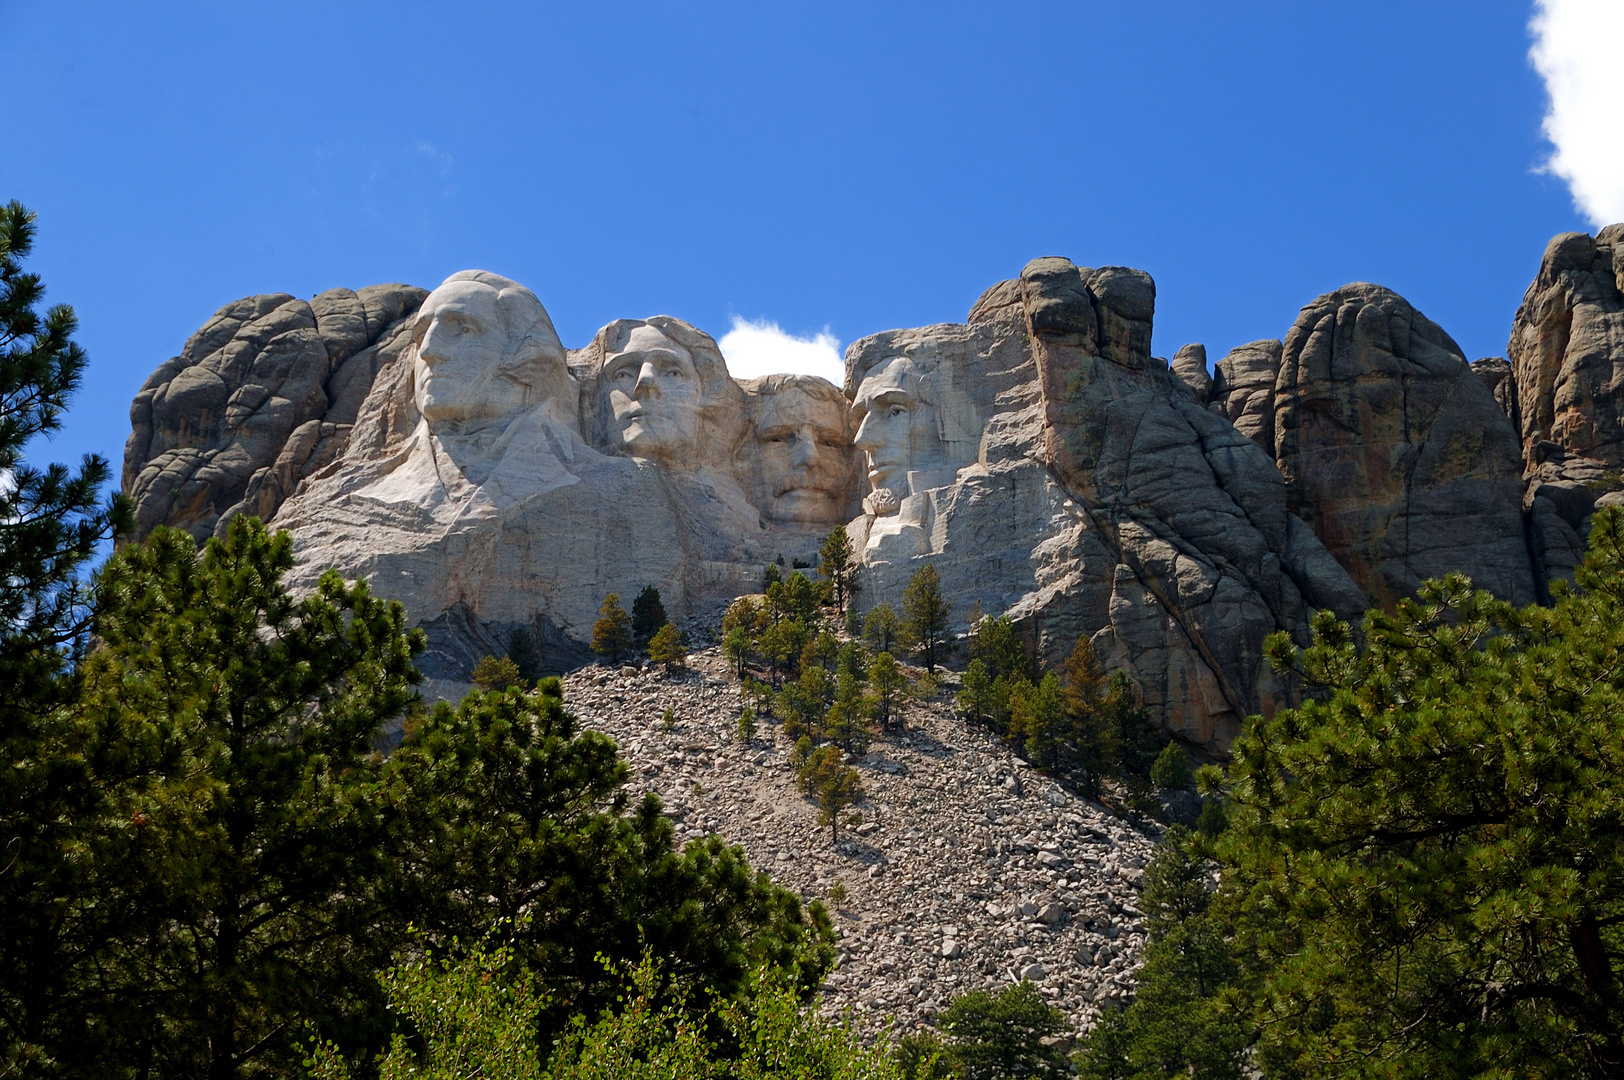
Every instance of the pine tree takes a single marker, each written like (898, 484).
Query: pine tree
(1436, 835)
(261, 847)
(995, 643)
(492, 673)
(925, 613)
(612, 633)
(507, 809)
(835, 563)
(51, 521)
(998, 1036)
(881, 628)
(885, 683)
(648, 615)
(1037, 717)
(666, 648)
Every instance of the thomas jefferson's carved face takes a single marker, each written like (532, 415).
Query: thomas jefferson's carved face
(803, 456)
(888, 413)
(653, 392)
(462, 344)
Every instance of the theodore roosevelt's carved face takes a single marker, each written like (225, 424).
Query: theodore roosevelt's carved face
(653, 390)
(892, 419)
(803, 446)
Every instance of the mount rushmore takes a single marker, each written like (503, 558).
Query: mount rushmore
(450, 449)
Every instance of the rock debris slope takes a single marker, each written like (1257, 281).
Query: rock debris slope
(969, 870)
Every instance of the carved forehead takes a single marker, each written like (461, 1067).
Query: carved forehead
(643, 341)
(471, 298)
(795, 406)
(897, 381)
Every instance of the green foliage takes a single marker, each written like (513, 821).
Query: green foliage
(998, 1036)
(995, 643)
(237, 829)
(922, 1056)
(736, 646)
(886, 684)
(1435, 845)
(50, 520)
(493, 674)
(648, 615)
(508, 810)
(1171, 769)
(771, 575)
(882, 628)
(745, 729)
(526, 657)
(795, 599)
(835, 563)
(1037, 717)
(782, 644)
(612, 633)
(820, 773)
(666, 647)
(1183, 1020)
(975, 700)
(845, 724)
(924, 614)
(471, 1017)
(59, 834)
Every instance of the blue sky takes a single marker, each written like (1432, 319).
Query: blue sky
(839, 167)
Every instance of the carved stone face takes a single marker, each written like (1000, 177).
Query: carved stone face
(803, 456)
(891, 419)
(653, 390)
(465, 367)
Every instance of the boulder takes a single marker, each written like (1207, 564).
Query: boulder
(1395, 450)
(262, 395)
(1565, 394)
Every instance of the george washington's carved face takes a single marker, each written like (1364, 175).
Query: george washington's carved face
(653, 392)
(803, 444)
(485, 348)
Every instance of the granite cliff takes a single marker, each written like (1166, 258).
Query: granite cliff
(448, 447)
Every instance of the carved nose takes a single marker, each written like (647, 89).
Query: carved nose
(806, 448)
(429, 349)
(864, 439)
(647, 384)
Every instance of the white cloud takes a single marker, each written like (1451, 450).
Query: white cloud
(753, 349)
(1576, 49)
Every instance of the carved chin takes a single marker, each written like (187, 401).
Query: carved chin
(652, 440)
(806, 505)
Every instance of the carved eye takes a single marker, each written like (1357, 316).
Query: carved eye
(895, 411)
(673, 373)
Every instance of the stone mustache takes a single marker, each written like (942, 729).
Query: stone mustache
(446, 446)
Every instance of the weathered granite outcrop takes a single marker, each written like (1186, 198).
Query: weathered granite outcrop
(449, 448)
(1566, 394)
(262, 396)
(1405, 462)
(1395, 449)
(1050, 468)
